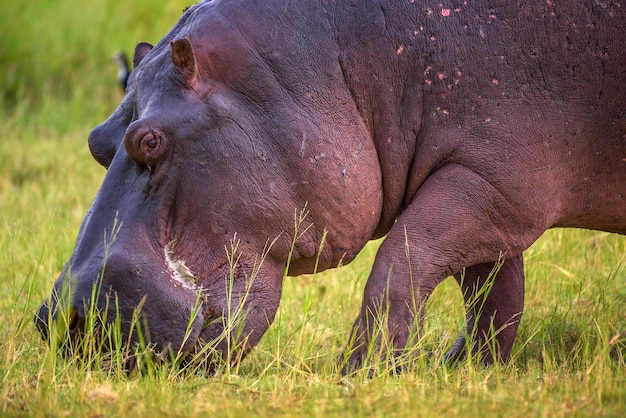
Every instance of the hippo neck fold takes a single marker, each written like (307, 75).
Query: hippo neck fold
(379, 53)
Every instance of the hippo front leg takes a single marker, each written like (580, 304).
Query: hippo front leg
(456, 219)
(494, 309)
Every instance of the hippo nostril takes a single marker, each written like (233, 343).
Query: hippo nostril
(76, 321)
(73, 320)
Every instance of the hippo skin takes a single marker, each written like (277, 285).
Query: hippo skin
(459, 130)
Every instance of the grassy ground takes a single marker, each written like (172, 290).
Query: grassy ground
(58, 81)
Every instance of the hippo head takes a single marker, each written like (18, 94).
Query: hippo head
(222, 177)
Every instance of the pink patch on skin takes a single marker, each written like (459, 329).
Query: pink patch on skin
(400, 50)
(445, 12)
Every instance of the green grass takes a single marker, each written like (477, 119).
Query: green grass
(58, 81)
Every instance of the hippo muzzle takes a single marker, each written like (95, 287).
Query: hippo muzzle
(145, 297)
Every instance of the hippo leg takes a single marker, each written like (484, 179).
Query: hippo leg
(494, 309)
(456, 219)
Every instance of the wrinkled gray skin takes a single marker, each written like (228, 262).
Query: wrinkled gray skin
(462, 132)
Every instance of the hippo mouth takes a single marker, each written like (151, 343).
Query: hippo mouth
(165, 317)
(119, 341)
(169, 316)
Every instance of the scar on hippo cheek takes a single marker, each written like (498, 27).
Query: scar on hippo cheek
(180, 273)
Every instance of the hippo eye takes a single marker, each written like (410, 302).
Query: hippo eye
(148, 144)
(152, 146)
(146, 149)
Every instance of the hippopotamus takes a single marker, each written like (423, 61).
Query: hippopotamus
(260, 139)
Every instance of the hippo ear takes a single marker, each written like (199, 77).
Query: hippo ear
(183, 59)
(141, 50)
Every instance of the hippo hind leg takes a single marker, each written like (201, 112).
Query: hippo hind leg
(494, 305)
